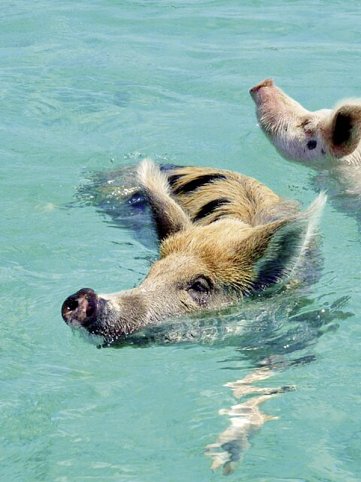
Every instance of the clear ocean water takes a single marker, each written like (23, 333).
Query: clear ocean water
(90, 86)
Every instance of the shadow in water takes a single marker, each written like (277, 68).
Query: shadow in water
(270, 335)
(116, 194)
(275, 338)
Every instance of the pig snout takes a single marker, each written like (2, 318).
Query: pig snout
(81, 308)
(254, 91)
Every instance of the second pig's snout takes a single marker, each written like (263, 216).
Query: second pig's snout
(265, 83)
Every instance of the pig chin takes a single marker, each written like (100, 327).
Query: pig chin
(115, 324)
(109, 324)
(292, 150)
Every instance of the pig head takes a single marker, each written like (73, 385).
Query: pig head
(213, 251)
(322, 139)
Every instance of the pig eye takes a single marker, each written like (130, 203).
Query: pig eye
(199, 289)
(201, 286)
(312, 144)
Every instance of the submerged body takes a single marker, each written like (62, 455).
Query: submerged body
(327, 140)
(222, 236)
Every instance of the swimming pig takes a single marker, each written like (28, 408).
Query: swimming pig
(222, 236)
(327, 139)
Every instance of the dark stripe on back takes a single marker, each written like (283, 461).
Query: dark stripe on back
(174, 178)
(197, 182)
(210, 208)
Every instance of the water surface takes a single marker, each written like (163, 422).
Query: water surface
(89, 86)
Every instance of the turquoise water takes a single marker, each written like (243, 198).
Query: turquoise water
(89, 86)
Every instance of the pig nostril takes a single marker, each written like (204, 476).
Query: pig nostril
(69, 307)
(71, 304)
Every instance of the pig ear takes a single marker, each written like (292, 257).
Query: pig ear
(343, 130)
(168, 216)
(282, 246)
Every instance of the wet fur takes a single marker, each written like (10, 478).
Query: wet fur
(225, 203)
(222, 236)
(242, 197)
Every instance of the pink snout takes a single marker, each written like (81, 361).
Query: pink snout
(265, 83)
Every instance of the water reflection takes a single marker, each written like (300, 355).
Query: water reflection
(343, 194)
(244, 419)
